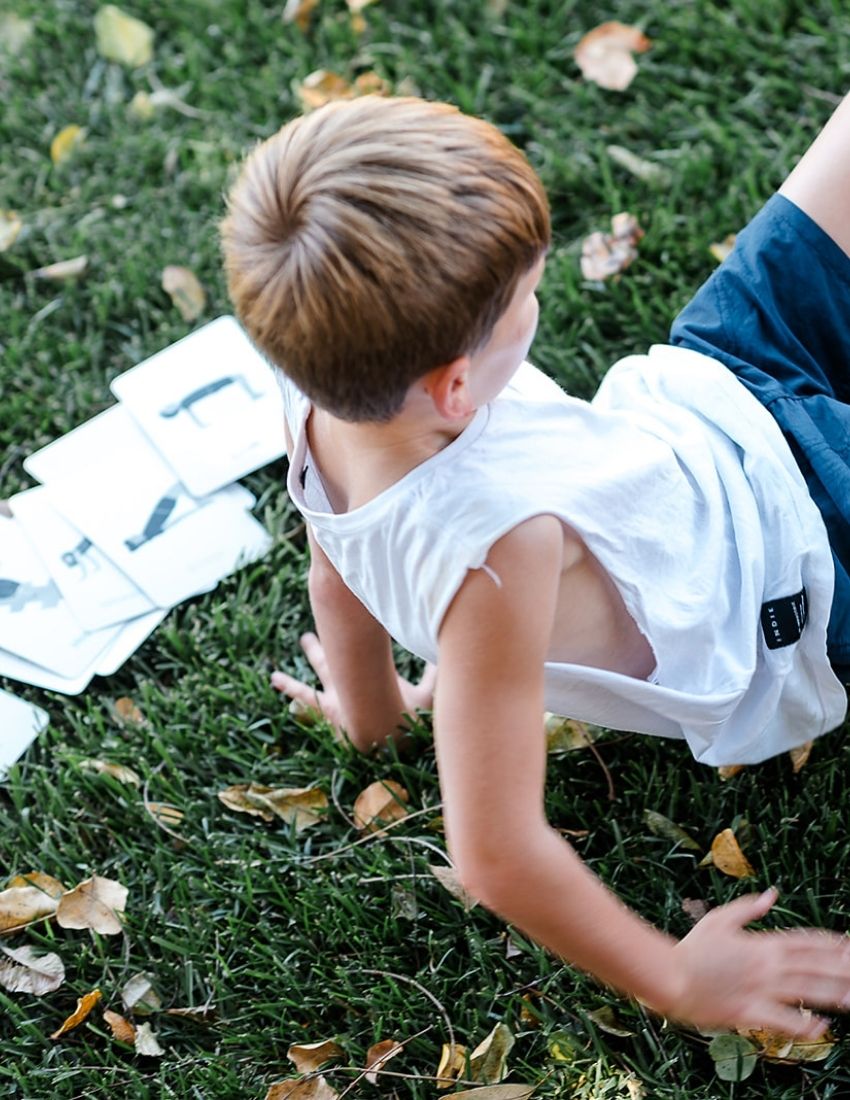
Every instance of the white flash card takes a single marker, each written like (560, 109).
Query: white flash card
(20, 724)
(98, 593)
(27, 672)
(35, 622)
(210, 404)
(128, 641)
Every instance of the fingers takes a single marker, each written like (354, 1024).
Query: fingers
(787, 1021)
(315, 654)
(745, 910)
(296, 689)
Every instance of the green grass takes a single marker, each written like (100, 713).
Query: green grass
(727, 98)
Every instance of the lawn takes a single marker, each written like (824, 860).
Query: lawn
(300, 937)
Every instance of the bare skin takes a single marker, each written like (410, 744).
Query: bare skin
(554, 602)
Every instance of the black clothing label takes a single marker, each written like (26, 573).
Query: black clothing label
(783, 620)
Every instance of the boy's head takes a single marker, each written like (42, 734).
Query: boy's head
(376, 239)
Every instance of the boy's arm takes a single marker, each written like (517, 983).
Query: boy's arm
(362, 692)
(491, 755)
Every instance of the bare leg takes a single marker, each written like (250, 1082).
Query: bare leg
(820, 184)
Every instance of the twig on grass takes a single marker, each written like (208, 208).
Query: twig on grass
(611, 792)
(372, 836)
(425, 992)
(399, 1046)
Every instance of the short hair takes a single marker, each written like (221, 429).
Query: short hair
(375, 239)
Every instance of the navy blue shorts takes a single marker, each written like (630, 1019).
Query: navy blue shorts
(777, 313)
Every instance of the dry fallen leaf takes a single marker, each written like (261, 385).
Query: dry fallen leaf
(47, 883)
(495, 1092)
(488, 1063)
(302, 806)
(298, 1088)
(663, 826)
(323, 86)
(642, 169)
(726, 855)
(448, 879)
(371, 84)
(357, 6)
(604, 55)
(139, 995)
(774, 1047)
(728, 771)
(452, 1064)
(68, 138)
(381, 802)
(127, 711)
(84, 1006)
(800, 756)
(164, 813)
(607, 254)
(122, 38)
(566, 734)
(29, 972)
(119, 772)
(94, 904)
(146, 1042)
(10, 226)
(299, 12)
(378, 1055)
(185, 291)
(200, 1014)
(721, 249)
(64, 269)
(21, 905)
(15, 32)
(121, 1029)
(606, 1020)
(309, 1056)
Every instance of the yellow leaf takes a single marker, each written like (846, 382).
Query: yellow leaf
(29, 972)
(774, 1047)
(122, 38)
(371, 84)
(721, 249)
(381, 802)
(452, 1064)
(299, 1088)
(566, 734)
(165, 813)
(185, 291)
(800, 756)
(21, 905)
(727, 856)
(10, 226)
(127, 711)
(604, 55)
(94, 904)
(146, 1042)
(378, 1055)
(299, 12)
(302, 806)
(141, 106)
(309, 1056)
(47, 883)
(728, 771)
(358, 24)
(488, 1063)
(321, 87)
(607, 254)
(84, 1006)
(448, 879)
(65, 142)
(117, 771)
(121, 1029)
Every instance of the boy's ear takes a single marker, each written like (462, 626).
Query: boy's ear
(448, 388)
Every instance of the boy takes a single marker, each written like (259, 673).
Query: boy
(651, 561)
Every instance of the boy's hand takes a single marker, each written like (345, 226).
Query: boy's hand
(728, 977)
(326, 701)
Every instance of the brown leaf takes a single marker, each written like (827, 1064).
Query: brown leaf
(607, 254)
(165, 813)
(729, 771)
(10, 226)
(84, 1006)
(309, 1056)
(727, 856)
(302, 805)
(94, 904)
(371, 84)
(721, 249)
(488, 1063)
(452, 1064)
(695, 909)
(64, 143)
(21, 905)
(566, 734)
(604, 55)
(774, 1047)
(321, 87)
(146, 1042)
(606, 1020)
(29, 972)
(496, 1092)
(299, 12)
(448, 879)
(122, 38)
(378, 1055)
(800, 756)
(126, 711)
(121, 1029)
(381, 802)
(185, 291)
(117, 771)
(201, 1014)
(300, 1088)
(63, 269)
(139, 995)
(47, 883)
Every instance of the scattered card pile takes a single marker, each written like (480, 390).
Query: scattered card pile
(136, 510)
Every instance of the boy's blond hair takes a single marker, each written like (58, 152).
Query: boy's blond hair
(375, 239)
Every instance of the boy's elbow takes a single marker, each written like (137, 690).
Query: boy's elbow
(492, 875)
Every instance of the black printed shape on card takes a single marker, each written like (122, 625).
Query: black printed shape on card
(783, 620)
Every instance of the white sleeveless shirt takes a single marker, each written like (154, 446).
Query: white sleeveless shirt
(684, 489)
